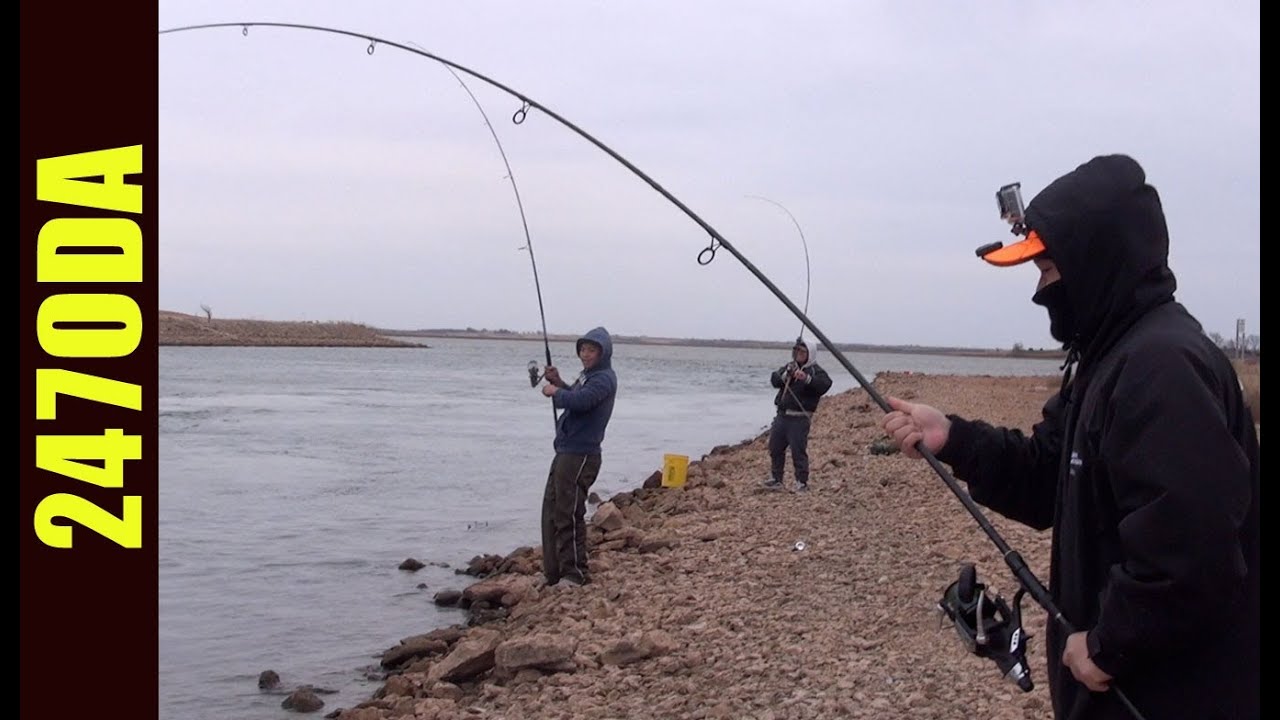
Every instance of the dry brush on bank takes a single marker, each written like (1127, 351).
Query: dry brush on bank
(1249, 372)
(181, 329)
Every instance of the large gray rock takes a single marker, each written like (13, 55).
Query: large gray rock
(471, 656)
(608, 517)
(535, 651)
(302, 700)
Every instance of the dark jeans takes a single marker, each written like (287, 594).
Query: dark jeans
(564, 508)
(789, 431)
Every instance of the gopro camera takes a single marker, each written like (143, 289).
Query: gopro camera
(1009, 200)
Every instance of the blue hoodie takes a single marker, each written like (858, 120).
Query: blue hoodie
(588, 404)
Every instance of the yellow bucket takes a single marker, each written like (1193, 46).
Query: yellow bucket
(674, 470)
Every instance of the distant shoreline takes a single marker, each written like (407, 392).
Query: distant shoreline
(726, 343)
(184, 330)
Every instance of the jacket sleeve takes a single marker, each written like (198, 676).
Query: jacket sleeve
(776, 377)
(1182, 486)
(819, 380)
(1007, 471)
(593, 391)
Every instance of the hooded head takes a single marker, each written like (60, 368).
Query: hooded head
(800, 352)
(601, 339)
(1103, 227)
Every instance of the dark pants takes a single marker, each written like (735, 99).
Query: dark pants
(789, 431)
(564, 509)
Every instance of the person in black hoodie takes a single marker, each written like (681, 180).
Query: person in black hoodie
(1145, 464)
(586, 407)
(801, 384)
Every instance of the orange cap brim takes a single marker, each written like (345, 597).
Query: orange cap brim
(1017, 253)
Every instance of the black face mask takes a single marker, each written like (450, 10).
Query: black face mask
(1062, 321)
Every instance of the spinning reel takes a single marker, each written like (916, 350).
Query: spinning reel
(535, 374)
(988, 626)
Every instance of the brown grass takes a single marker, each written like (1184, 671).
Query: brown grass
(1247, 370)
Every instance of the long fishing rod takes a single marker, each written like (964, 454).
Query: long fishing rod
(534, 374)
(786, 385)
(803, 243)
(1012, 558)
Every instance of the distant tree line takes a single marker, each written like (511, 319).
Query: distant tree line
(1020, 349)
(1249, 345)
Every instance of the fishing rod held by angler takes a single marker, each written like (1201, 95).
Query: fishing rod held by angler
(1015, 562)
(791, 367)
(804, 243)
(534, 374)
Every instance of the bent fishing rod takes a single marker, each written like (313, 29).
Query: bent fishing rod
(534, 374)
(1017, 565)
(803, 244)
(791, 367)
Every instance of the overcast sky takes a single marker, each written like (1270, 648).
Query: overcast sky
(304, 179)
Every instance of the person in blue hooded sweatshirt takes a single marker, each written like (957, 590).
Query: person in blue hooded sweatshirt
(586, 407)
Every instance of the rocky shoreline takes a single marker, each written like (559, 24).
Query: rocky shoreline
(722, 599)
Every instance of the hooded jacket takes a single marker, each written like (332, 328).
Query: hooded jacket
(800, 395)
(1145, 465)
(588, 403)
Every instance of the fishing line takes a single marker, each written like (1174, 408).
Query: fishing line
(1017, 565)
(534, 374)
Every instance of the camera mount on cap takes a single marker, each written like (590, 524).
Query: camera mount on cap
(1009, 202)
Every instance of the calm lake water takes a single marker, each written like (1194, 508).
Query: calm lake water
(294, 481)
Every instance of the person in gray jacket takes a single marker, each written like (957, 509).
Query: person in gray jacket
(586, 407)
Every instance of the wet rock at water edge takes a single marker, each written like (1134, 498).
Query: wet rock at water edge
(413, 648)
(448, 598)
(412, 565)
(268, 680)
(304, 699)
(481, 565)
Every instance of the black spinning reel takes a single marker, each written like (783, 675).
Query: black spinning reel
(988, 626)
(535, 374)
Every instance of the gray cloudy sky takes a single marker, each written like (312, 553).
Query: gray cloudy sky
(302, 178)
